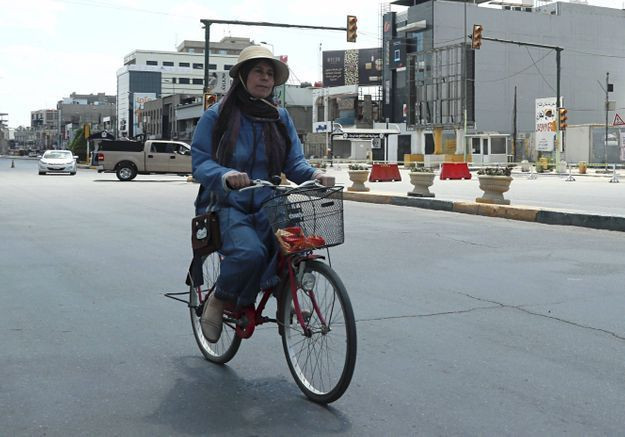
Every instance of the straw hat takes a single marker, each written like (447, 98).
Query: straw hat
(280, 70)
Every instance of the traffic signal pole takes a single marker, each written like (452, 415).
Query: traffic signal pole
(207, 24)
(558, 106)
(558, 97)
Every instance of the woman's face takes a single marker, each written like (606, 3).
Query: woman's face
(260, 80)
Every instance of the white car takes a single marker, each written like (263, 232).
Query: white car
(57, 161)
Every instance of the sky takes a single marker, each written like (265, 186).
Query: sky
(51, 48)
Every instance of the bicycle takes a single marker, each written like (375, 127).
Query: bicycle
(314, 315)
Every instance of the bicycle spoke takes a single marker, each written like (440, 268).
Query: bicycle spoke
(322, 362)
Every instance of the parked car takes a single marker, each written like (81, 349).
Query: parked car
(57, 161)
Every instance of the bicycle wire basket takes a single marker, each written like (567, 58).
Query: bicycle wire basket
(317, 211)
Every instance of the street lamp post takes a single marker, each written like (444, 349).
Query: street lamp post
(174, 129)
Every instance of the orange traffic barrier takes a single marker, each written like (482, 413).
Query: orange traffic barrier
(455, 170)
(384, 173)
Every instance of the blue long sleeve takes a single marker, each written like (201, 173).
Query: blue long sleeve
(205, 170)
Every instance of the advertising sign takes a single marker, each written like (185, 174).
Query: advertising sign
(352, 67)
(219, 82)
(398, 53)
(321, 126)
(138, 102)
(546, 113)
(622, 145)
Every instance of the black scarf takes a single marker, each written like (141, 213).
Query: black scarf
(226, 132)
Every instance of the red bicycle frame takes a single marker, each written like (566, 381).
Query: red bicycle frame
(245, 320)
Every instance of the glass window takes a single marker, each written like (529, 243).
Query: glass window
(475, 145)
(184, 64)
(212, 66)
(227, 67)
(168, 64)
(198, 66)
(151, 62)
(164, 148)
(198, 81)
(498, 145)
(184, 80)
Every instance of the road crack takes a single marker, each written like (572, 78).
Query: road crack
(546, 316)
(443, 313)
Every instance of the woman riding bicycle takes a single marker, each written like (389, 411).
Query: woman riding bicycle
(245, 136)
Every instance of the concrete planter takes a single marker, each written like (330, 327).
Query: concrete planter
(358, 178)
(494, 187)
(421, 181)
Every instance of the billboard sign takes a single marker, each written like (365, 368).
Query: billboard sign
(138, 102)
(219, 82)
(546, 113)
(352, 67)
(398, 54)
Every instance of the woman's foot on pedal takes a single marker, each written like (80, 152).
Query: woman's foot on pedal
(212, 318)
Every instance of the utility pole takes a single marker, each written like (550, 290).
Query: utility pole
(558, 106)
(607, 107)
(514, 132)
(464, 88)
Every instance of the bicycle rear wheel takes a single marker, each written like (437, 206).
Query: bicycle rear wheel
(321, 357)
(228, 344)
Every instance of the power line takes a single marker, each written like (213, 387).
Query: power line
(593, 54)
(514, 74)
(538, 69)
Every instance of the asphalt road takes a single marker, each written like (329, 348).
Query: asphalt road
(467, 325)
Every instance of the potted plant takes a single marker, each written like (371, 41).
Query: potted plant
(421, 178)
(358, 174)
(494, 181)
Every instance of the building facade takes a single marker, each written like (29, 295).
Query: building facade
(78, 109)
(149, 75)
(175, 116)
(431, 75)
(45, 124)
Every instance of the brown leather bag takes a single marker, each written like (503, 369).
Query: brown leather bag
(205, 234)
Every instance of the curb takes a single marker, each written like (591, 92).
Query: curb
(520, 213)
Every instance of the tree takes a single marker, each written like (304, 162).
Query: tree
(78, 146)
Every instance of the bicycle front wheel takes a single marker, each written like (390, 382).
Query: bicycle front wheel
(228, 344)
(322, 355)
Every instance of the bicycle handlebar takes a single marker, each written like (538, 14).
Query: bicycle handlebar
(257, 183)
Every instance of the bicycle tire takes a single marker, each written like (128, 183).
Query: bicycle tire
(328, 291)
(228, 344)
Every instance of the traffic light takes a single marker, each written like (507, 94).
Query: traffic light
(563, 118)
(352, 27)
(476, 37)
(209, 100)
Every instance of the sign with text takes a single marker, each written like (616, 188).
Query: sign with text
(219, 82)
(352, 67)
(138, 103)
(546, 113)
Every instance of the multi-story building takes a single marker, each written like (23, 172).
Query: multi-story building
(77, 109)
(431, 74)
(149, 74)
(25, 138)
(45, 124)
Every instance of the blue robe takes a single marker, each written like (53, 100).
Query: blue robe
(248, 247)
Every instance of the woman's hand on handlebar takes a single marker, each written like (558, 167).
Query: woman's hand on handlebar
(237, 180)
(326, 181)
